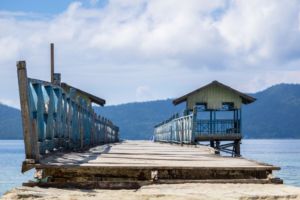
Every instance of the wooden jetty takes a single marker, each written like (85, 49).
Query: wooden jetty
(132, 164)
(69, 145)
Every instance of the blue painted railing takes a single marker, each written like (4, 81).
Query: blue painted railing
(176, 130)
(54, 119)
(221, 126)
(188, 129)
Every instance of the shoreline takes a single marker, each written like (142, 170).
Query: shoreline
(188, 191)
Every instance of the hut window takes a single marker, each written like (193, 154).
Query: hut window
(227, 106)
(203, 113)
(201, 106)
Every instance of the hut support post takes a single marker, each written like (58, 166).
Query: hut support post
(217, 147)
(237, 148)
(182, 132)
(194, 125)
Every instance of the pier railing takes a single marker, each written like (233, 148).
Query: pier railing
(221, 126)
(55, 119)
(189, 129)
(175, 130)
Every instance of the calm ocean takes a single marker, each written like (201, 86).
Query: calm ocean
(283, 153)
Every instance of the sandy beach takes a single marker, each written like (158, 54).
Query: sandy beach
(172, 191)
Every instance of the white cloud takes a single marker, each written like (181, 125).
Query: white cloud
(11, 103)
(262, 31)
(169, 46)
(143, 93)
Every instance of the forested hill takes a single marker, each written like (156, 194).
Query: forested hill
(275, 114)
(136, 120)
(10, 123)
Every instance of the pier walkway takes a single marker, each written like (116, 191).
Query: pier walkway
(132, 164)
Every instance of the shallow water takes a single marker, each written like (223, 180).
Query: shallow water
(282, 153)
(11, 157)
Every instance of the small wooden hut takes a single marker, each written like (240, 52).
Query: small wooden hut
(217, 111)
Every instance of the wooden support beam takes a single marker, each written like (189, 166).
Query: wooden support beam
(29, 126)
(52, 61)
(237, 148)
(217, 147)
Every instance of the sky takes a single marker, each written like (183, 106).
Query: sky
(140, 50)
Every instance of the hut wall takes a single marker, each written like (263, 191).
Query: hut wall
(214, 96)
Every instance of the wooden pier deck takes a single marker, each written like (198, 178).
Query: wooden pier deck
(131, 164)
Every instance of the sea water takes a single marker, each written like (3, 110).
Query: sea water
(11, 157)
(282, 153)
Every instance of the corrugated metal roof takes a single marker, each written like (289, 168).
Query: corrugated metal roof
(246, 99)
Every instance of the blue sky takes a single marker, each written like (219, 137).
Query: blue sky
(139, 50)
(36, 6)
(45, 7)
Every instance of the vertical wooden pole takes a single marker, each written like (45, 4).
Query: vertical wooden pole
(80, 122)
(52, 61)
(217, 147)
(211, 121)
(92, 121)
(117, 135)
(69, 125)
(171, 135)
(234, 121)
(240, 121)
(181, 141)
(30, 137)
(194, 125)
(237, 148)
(215, 121)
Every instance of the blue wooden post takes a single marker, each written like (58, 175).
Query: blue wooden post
(69, 124)
(49, 111)
(57, 117)
(194, 124)
(240, 122)
(64, 122)
(41, 124)
(80, 124)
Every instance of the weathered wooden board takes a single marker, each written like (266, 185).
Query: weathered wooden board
(151, 154)
(131, 164)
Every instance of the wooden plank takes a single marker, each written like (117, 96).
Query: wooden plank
(143, 154)
(136, 162)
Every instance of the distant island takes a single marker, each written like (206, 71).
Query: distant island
(275, 114)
